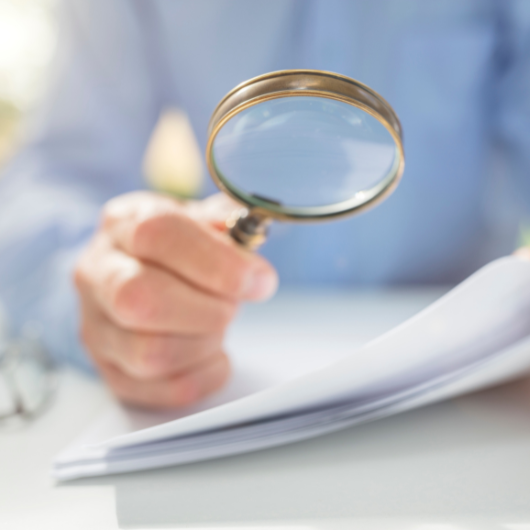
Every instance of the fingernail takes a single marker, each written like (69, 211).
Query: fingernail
(260, 285)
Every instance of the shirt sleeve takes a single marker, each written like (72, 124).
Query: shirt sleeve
(84, 145)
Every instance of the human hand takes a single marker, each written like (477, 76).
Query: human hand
(159, 283)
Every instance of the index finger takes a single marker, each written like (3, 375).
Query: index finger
(158, 229)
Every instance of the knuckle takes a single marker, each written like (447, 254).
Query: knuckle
(81, 273)
(85, 334)
(80, 277)
(225, 370)
(185, 393)
(222, 317)
(175, 400)
(122, 386)
(229, 273)
(107, 216)
(119, 388)
(229, 313)
(222, 369)
(147, 233)
(152, 356)
(111, 378)
(111, 212)
(131, 302)
(234, 279)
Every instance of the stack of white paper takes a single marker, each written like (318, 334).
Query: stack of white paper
(476, 335)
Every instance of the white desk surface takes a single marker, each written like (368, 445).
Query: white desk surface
(463, 464)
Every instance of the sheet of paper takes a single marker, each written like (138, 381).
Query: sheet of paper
(485, 313)
(446, 349)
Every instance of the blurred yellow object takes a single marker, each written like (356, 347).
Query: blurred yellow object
(27, 43)
(172, 162)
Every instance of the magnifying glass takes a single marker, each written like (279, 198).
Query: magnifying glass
(302, 145)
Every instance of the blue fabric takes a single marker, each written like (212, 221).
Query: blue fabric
(457, 72)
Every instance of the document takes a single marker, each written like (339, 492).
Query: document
(476, 335)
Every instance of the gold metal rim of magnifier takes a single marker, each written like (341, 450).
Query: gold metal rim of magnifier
(315, 83)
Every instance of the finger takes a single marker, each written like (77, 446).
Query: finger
(215, 210)
(159, 229)
(175, 391)
(144, 355)
(141, 297)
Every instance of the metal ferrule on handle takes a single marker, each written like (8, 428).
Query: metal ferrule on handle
(249, 229)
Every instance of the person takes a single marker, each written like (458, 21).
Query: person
(158, 280)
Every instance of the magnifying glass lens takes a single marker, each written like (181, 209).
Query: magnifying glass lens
(304, 152)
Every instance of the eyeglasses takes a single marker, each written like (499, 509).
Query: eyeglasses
(28, 377)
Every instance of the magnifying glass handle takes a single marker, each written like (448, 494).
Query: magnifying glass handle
(249, 228)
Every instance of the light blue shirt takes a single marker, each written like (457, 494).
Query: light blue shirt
(457, 73)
